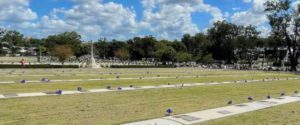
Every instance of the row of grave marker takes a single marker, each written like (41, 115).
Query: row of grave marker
(131, 87)
(46, 80)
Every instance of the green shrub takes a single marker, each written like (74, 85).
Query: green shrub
(37, 66)
(141, 66)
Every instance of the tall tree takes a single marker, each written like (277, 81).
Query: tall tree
(183, 57)
(166, 54)
(221, 36)
(14, 38)
(179, 46)
(62, 52)
(115, 46)
(285, 23)
(2, 31)
(246, 44)
(122, 54)
(73, 39)
(102, 49)
(142, 47)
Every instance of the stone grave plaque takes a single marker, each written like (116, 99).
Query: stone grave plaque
(268, 102)
(241, 105)
(50, 93)
(187, 118)
(296, 96)
(10, 95)
(84, 91)
(280, 98)
(224, 112)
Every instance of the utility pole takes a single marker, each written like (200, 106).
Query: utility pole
(40, 54)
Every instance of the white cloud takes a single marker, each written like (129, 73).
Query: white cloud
(249, 18)
(254, 16)
(91, 18)
(16, 11)
(173, 18)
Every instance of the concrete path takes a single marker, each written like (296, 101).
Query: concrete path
(211, 114)
(19, 95)
(83, 80)
(111, 79)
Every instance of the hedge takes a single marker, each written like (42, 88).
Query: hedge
(38, 66)
(142, 66)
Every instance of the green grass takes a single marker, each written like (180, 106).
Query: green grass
(129, 106)
(122, 107)
(52, 86)
(281, 115)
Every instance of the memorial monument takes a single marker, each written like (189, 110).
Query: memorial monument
(91, 63)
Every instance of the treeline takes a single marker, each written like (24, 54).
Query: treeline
(219, 43)
(224, 42)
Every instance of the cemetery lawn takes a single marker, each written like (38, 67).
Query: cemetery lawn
(53, 86)
(129, 106)
(185, 75)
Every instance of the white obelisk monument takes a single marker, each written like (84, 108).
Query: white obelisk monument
(92, 63)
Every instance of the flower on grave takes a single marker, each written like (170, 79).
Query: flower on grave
(250, 98)
(23, 81)
(169, 111)
(43, 79)
(59, 92)
(79, 89)
(229, 102)
(131, 86)
(108, 87)
(296, 92)
(119, 88)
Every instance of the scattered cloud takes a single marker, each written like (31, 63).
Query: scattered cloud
(93, 19)
(166, 19)
(16, 11)
(173, 18)
(254, 16)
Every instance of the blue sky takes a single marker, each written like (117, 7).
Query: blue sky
(124, 19)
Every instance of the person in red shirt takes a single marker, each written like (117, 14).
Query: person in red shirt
(22, 62)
